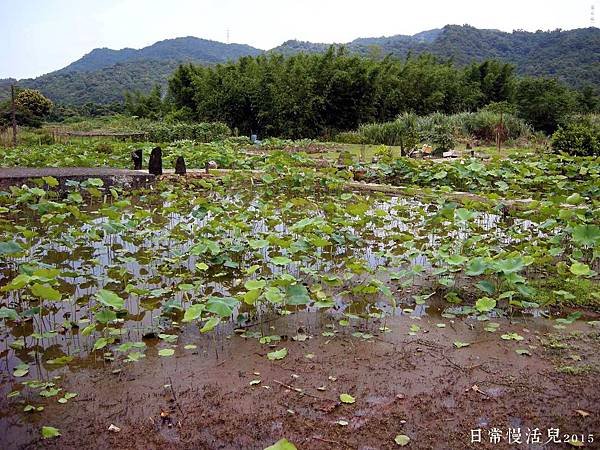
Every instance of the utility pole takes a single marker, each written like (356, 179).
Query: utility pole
(13, 114)
(500, 132)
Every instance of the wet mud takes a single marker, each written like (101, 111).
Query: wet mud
(226, 393)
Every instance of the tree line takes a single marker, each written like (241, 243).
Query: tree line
(319, 95)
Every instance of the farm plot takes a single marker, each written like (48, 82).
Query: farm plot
(223, 314)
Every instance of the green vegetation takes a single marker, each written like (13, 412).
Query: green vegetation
(409, 130)
(579, 136)
(325, 94)
(150, 106)
(289, 236)
(519, 175)
(570, 56)
(33, 102)
(543, 103)
(30, 108)
(556, 233)
(183, 48)
(316, 95)
(288, 241)
(93, 153)
(104, 76)
(155, 131)
(201, 132)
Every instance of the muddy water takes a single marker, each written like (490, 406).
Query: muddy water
(417, 383)
(98, 258)
(111, 254)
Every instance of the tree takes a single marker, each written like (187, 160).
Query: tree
(588, 100)
(150, 106)
(544, 102)
(580, 136)
(317, 95)
(34, 103)
(31, 108)
(181, 86)
(494, 79)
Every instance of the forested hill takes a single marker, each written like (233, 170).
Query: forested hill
(399, 45)
(5, 87)
(572, 56)
(179, 49)
(104, 75)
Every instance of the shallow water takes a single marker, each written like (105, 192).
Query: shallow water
(149, 245)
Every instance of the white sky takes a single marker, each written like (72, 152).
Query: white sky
(39, 36)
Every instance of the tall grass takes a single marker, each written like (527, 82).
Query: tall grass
(409, 130)
(482, 125)
(403, 132)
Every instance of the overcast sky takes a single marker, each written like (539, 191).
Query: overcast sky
(39, 36)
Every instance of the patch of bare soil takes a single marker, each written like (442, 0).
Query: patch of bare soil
(418, 385)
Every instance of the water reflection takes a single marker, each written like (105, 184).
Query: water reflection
(154, 254)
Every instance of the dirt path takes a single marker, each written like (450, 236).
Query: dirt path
(421, 386)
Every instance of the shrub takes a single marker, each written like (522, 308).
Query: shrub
(384, 154)
(238, 140)
(401, 132)
(350, 137)
(380, 133)
(200, 132)
(34, 136)
(482, 125)
(104, 147)
(441, 137)
(438, 130)
(580, 137)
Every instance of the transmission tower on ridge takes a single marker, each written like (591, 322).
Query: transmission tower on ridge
(593, 16)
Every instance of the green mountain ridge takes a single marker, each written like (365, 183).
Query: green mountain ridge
(179, 49)
(571, 56)
(104, 75)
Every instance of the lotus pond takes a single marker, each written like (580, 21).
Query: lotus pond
(102, 279)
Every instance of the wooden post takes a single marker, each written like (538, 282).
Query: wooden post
(13, 113)
(137, 157)
(180, 166)
(155, 166)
